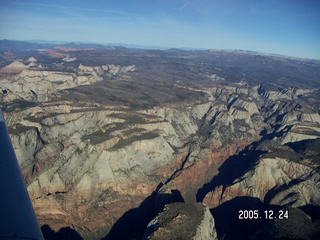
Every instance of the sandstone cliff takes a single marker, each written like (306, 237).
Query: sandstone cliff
(36, 84)
(109, 134)
(274, 177)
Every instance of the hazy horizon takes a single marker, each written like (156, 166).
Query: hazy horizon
(285, 27)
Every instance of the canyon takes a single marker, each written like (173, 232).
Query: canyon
(112, 141)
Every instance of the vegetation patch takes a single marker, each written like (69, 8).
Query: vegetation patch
(18, 129)
(133, 131)
(128, 141)
(129, 118)
(18, 104)
(97, 137)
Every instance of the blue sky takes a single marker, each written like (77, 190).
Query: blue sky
(289, 27)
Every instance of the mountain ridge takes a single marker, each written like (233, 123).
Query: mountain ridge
(107, 137)
(7, 45)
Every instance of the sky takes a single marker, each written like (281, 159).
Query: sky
(287, 27)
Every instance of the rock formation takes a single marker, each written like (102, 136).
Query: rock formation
(115, 131)
(182, 221)
(36, 84)
(281, 177)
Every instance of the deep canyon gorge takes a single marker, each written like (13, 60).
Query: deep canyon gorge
(119, 143)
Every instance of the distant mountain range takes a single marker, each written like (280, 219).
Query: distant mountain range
(18, 46)
(13, 45)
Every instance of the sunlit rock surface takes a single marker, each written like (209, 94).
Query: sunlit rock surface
(111, 135)
(182, 221)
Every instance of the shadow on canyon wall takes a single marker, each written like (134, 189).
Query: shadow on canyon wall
(237, 165)
(65, 233)
(231, 169)
(227, 218)
(132, 224)
(266, 226)
(313, 211)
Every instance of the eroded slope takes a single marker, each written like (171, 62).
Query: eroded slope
(101, 135)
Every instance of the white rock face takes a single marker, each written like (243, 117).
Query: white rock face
(206, 229)
(14, 67)
(274, 180)
(92, 161)
(32, 59)
(25, 144)
(301, 131)
(69, 59)
(93, 148)
(245, 103)
(36, 84)
(310, 117)
(269, 173)
(131, 162)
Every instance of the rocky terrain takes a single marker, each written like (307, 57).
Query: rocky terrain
(108, 137)
(182, 221)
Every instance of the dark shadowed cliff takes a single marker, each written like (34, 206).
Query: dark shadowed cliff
(106, 137)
